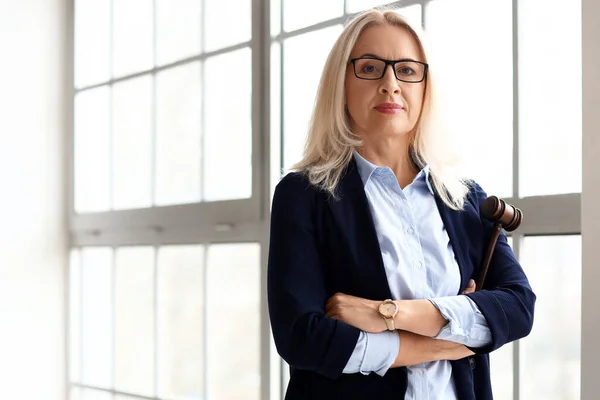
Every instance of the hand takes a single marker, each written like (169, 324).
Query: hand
(358, 312)
(470, 287)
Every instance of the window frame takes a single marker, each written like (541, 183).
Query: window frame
(247, 220)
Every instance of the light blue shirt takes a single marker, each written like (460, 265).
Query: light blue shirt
(420, 264)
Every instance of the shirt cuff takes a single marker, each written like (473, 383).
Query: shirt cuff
(374, 352)
(381, 352)
(466, 324)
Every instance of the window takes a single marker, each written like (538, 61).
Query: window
(181, 127)
(544, 131)
(550, 355)
(478, 114)
(499, 113)
(151, 125)
(517, 148)
(157, 321)
(165, 208)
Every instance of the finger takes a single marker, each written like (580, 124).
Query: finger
(330, 303)
(470, 287)
(330, 310)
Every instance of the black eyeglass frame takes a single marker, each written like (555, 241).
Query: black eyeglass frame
(393, 64)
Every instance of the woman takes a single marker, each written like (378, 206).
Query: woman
(375, 243)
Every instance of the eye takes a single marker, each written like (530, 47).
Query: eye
(368, 68)
(405, 70)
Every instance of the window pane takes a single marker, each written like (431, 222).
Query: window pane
(92, 42)
(413, 12)
(299, 14)
(501, 367)
(275, 370)
(75, 394)
(549, 104)
(550, 355)
(132, 143)
(97, 316)
(285, 368)
(132, 36)
(75, 316)
(360, 5)
(178, 135)
(477, 84)
(180, 322)
(227, 23)
(234, 268)
(178, 33)
(134, 320)
(275, 117)
(228, 139)
(92, 150)
(90, 394)
(300, 86)
(275, 17)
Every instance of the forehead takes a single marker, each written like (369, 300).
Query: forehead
(389, 42)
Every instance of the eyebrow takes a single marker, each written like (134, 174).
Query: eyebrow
(370, 55)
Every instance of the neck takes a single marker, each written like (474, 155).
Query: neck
(393, 153)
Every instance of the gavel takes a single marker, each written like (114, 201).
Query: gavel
(503, 215)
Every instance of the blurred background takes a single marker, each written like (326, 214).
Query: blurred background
(140, 142)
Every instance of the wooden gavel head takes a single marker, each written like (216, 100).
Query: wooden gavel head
(498, 211)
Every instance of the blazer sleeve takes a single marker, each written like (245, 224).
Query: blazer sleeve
(305, 338)
(506, 300)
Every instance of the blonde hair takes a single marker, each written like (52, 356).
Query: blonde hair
(330, 142)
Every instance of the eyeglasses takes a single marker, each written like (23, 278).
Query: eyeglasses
(405, 70)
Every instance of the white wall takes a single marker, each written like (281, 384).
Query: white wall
(590, 203)
(32, 222)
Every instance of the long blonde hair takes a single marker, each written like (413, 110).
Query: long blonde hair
(330, 141)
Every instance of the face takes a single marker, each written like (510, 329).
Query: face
(366, 98)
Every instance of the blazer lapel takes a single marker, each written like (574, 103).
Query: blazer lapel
(352, 215)
(454, 224)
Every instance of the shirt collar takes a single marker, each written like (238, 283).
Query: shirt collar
(367, 168)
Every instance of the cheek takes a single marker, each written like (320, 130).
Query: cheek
(354, 100)
(415, 99)
(357, 96)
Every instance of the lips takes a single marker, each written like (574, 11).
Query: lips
(389, 108)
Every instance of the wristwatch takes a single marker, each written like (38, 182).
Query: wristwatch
(388, 310)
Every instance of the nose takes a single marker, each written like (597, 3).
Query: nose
(389, 83)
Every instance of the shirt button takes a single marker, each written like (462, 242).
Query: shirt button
(418, 264)
(421, 372)
(410, 231)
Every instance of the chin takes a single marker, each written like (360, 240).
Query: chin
(391, 129)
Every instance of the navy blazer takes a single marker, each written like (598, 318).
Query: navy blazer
(320, 245)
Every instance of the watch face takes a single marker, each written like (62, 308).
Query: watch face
(387, 309)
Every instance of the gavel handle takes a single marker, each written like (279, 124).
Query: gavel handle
(488, 256)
